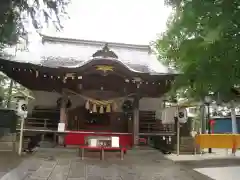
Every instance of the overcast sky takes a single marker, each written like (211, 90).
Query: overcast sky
(125, 21)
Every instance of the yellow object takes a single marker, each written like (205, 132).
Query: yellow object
(225, 141)
(104, 68)
(237, 141)
(108, 109)
(101, 110)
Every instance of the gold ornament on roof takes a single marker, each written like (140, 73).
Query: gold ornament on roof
(104, 68)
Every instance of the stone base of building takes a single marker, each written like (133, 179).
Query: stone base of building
(187, 146)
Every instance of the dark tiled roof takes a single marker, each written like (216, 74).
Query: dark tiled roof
(62, 52)
(70, 62)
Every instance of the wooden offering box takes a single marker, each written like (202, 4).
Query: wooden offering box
(104, 143)
(94, 141)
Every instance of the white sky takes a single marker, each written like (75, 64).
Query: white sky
(124, 21)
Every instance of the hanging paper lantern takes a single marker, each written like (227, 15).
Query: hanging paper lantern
(87, 105)
(101, 109)
(94, 108)
(108, 109)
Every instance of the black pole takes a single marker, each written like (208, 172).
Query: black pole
(209, 125)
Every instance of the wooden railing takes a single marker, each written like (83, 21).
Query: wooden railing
(149, 124)
(41, 122)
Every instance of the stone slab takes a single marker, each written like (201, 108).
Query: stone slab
(34, 178)
(78, 170)
(221, 173)
(42, 173)
(137, 165)
(60, 172)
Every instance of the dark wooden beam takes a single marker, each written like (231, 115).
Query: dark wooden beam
(151, 86)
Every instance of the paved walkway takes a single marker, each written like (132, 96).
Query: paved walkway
(219, 165)
(65, 165)
(221, 173)
(8, 161)
(217, 154)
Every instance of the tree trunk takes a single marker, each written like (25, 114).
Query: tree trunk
(234, 120)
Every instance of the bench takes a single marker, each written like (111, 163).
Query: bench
(102, 150)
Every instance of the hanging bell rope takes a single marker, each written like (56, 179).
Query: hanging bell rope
(109, 104)
(103, 102)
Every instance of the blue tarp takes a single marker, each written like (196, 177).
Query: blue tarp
(224, 125)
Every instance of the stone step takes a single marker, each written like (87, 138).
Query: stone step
(8, 138)
(190, 150)
(186, 140)
(7, 146)
(187, 145)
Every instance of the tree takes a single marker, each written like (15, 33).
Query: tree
(14, 13)
(13, 17)
(202, 41)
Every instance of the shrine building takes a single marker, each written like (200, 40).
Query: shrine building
(94, 87)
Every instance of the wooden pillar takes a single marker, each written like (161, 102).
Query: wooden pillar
(136, 121)
(63, 116)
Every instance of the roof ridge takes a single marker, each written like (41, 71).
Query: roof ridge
(46, 38)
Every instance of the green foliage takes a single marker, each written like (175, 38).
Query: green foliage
(203, 42)
(13, 13)
(9, 89)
